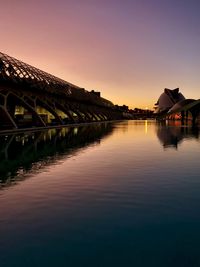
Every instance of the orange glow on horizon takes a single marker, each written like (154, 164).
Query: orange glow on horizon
(129, 54)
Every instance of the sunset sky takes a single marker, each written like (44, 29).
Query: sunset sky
(130, 50)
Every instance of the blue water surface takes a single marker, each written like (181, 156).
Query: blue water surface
(108, 194)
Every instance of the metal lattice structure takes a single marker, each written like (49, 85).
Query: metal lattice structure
(45, 99)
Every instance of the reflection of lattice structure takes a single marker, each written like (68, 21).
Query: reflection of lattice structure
(32, 97)
(19, 152)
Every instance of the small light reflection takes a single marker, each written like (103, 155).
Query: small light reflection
(23, 141)
(146, 126)
(75, 131)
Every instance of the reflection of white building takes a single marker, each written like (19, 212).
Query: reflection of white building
(168, 99)
(170, 136)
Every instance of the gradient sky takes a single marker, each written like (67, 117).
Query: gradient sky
(130, 50)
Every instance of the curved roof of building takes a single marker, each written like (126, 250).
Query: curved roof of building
(168, 98)
(180, 105)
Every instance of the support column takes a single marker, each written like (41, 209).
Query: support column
(182, 116)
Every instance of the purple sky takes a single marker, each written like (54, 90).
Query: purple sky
(128, 50)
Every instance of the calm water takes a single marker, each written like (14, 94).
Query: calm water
(116, 194)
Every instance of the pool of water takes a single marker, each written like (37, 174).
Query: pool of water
(108, 194)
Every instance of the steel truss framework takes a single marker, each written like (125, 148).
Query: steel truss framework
(22, 85)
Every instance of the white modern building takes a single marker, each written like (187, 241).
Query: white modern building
(168, 99)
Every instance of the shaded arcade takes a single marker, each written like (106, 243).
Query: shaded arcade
(31, 97)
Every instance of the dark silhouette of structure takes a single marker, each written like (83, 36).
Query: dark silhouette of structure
(173, 105)
(31, 151)
(167, 99)
(171, 135)
(31, 97)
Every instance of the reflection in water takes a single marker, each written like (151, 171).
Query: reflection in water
(123, 203)
(27, 152)
(172, 135)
